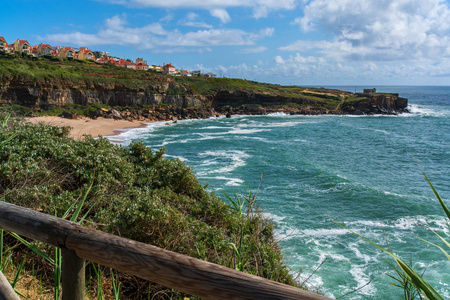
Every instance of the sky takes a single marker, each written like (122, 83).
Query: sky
(291, 42)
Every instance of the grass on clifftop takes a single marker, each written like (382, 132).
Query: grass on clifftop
(57, 72)
(137, 194)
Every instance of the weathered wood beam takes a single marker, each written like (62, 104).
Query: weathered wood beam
(170, 269)
(6, 290)
(73, 276)
(34, 225)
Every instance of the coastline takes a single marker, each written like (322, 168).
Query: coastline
(94, 127)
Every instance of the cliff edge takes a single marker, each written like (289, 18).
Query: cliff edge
(44, 85)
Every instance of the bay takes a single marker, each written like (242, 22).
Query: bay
(365, 172)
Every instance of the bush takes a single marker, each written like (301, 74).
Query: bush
(137, 194)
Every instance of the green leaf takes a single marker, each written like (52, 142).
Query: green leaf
(446, 210)
(32, 247)
(437, 246)
(80, 205)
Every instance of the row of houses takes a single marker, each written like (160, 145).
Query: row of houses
(23, 46)
(83, 53)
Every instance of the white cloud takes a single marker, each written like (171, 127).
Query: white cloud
(261, 8)
(379, 30)
(221, 14)
(153, 36)
(308, 70)
(254, 50)
(192, 20)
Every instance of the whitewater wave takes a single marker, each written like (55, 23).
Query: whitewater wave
(278, 114)
(229, 160)
(229, 180)
(246, 131)
(435, 223)
(426, 111)
(126, 135)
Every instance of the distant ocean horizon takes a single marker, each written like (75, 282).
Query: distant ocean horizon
(364, 172)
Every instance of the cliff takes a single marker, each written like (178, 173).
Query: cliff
(47, 94)
(376, 104)
(44, 85)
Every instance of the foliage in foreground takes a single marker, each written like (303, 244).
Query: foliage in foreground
(136, 193)
(413, 283)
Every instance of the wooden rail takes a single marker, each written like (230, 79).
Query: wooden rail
(170, 269)
(6, 290)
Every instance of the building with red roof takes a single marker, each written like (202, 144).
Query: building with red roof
(10, 48)
(67, 52)
(86, 54)
(34, 50)
(142, 66)
(44, 49)
(22, 46)
(169, 69)
(3, 44)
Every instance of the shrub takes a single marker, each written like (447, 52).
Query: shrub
(136, 193)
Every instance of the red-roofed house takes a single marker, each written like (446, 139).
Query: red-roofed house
(104, 60)
(67, 52)
(10, 48)
(142, 66)
(169, 69)
(3, 44)
(121, 63)
(130, 65)
(22, 46)
(34, 50)
(156, 68)
(86, 54)
(44, 49)
(125, 64)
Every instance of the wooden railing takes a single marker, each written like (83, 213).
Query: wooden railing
(170, 269)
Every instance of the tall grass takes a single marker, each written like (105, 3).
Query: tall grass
(5, 260)
(56, 261)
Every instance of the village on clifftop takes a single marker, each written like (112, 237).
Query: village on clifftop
(83, 53)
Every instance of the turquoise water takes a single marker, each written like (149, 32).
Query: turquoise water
(362, 171)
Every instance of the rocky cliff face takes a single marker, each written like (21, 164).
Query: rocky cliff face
(44, 95)
(179, 97)
(377, 104)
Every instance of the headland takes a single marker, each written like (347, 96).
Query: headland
(84, 88)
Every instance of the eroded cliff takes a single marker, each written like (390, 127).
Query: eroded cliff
(44, 85)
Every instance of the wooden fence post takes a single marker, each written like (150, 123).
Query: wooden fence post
(6, 290)
(173, 270)
(73, 275)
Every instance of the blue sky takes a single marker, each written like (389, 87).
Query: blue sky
(299, 42)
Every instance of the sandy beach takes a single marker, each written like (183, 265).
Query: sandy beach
(99, 126)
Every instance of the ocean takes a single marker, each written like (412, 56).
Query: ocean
(364, 172)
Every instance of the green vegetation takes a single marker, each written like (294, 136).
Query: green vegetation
(90, 75)
(210, 86)
(414, 285)
(76, 109)
(61, 72)
(133, 192)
